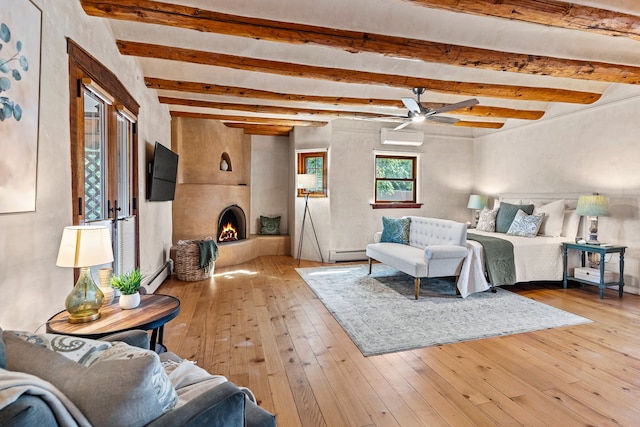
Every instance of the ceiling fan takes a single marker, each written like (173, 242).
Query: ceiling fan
(418, 113)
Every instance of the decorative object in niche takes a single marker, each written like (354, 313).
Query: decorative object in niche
(225, 163)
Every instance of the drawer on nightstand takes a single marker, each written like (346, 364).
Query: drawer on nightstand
(593, 275)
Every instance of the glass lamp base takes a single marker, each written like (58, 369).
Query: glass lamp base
(84, 301)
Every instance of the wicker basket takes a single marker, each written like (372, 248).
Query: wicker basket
(187, 266)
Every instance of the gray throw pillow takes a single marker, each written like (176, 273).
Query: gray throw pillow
(507, 212)
(395, 230)
(3, 359)
(269, 225)
(109, 393)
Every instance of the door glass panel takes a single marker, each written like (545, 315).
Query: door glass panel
(95, 159)
(125, 166)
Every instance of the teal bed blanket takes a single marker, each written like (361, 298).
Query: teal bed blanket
(498, 259)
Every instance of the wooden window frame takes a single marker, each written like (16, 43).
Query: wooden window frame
(84, 71)
(302, 156)
(382, 204)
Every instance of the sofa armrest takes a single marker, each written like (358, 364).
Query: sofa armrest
(223, 405)
(136, 338)
(27, 411)
(444, 252)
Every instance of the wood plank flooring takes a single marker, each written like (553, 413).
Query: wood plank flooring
(261, 326)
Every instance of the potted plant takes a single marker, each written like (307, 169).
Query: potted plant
(128, 285)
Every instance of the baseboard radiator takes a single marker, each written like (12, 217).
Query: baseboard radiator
(149, 284)
(347, 255)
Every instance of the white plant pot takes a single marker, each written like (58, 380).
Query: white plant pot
(127, 302)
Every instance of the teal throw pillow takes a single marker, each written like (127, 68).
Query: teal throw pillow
(269, 225)
(507, 212)
(395, 230)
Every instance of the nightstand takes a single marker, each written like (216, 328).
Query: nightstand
(596, 249)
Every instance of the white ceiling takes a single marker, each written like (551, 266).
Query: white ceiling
(388, 17)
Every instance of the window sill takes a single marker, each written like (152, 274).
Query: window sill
(396, 205)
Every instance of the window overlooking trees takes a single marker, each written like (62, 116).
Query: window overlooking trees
(395, 180)
(314, 163)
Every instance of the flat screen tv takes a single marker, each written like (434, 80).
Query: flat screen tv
(164, 170)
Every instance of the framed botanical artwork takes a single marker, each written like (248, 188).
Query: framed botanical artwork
(20, 44)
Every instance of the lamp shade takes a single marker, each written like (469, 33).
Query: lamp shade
(477, 202)
(593, 205)
(84, 246)
(307, 181)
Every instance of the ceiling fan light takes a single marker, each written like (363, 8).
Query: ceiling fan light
(418, 118)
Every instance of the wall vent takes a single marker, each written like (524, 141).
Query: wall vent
(347, 255)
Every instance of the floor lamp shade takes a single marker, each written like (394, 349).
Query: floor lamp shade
(83, 247)
(307, 181)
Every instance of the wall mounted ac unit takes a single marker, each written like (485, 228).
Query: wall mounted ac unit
(401, 137)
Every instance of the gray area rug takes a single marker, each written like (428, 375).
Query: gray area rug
(380, 314)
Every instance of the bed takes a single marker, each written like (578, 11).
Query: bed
(536, 258)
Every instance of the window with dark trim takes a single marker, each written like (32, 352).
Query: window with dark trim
(314, 163)
(395, 181)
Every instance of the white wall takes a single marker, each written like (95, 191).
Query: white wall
(594, 150)
(269, 180)
(33, 288)
(345, 220)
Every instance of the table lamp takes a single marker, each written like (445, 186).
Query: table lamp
(84, 246)
(592, 207)
(478, 203)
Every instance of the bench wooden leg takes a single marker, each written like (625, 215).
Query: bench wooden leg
(417, 283)
(370, 262)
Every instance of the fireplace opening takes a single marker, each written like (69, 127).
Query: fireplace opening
(232, 225)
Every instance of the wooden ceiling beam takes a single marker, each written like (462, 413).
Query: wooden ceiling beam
(547, 12)
(356, 42)
(248, 119)
(147, 50)
(270, 109)
(256, 129)
(240, 92)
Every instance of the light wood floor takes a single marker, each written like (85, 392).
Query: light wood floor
(261, 326)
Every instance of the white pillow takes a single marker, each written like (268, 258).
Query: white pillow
(571, 224)
(554, 217)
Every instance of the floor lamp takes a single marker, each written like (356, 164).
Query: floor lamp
(307, 181)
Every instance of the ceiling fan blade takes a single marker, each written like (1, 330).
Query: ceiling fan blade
(451, 107)
(403, 125)
(412, 105)
(442, 119)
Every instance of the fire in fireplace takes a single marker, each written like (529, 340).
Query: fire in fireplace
(231, 225)
(229, 233)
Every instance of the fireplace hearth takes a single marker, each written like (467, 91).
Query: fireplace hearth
(232, 225)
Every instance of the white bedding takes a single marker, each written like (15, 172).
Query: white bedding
(536, 259)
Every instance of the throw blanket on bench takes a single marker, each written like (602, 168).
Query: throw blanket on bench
(498, 259)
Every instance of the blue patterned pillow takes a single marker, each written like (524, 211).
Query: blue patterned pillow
(507, 212)
(525, 225)
(395, 230)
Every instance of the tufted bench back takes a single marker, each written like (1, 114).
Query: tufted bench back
(433, 231)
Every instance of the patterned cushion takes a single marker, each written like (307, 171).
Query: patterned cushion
(97, 389)
(81, 350)
(525, 225)
(395, 230)
(507, 212)
(269, 225)
(487, 220)
(88, 352)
